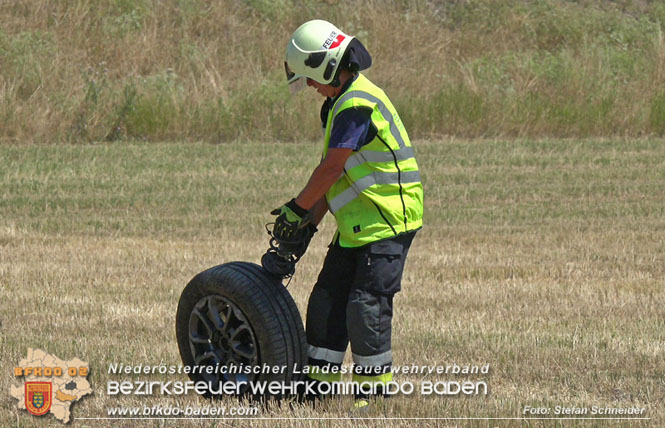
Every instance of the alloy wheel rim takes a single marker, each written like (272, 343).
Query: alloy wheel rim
(221, 336)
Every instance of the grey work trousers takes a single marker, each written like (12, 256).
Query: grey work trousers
(352, 301)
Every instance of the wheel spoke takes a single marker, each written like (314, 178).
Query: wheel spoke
(244, 328)
(206, 356)
(198, 339)
(204, 320)
(214, 314)
(233, 360)
(226, 318)
(238, 316)
(244, 350)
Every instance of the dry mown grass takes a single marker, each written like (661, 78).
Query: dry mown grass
(543, 259)
(194, 70)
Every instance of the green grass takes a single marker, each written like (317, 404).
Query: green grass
(106, 70)
(544, 259)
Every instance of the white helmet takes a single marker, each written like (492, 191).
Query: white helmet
(315, 51)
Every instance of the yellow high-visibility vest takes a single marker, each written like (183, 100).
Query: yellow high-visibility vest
(380, 194)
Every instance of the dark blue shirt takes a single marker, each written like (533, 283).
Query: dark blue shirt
(352, 128)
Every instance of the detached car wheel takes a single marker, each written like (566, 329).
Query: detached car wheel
(241, 321)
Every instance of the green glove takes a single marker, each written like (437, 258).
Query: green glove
(290, 219)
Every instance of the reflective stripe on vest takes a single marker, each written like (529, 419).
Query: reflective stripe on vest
(364, 183)
(360, 158)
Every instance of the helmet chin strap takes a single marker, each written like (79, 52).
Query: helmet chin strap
(335, 82)
(350, 67)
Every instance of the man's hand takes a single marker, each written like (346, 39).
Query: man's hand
(290, 219)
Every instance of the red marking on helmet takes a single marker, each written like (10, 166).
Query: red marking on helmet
(337, 42)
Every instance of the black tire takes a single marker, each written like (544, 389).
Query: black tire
(238, 314)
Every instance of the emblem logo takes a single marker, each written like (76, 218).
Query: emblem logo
(38, 397)
(334, 39)
(50, 385)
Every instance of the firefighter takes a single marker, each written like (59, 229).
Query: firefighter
(368, 179)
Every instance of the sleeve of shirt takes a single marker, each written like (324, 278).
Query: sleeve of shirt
(350, 129)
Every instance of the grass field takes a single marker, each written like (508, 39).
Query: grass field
(544, 259)
(195, 70)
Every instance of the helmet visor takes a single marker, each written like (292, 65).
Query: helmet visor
(290, 75)
(296, 83)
